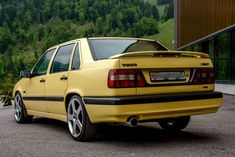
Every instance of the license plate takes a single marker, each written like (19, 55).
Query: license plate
(167, 76)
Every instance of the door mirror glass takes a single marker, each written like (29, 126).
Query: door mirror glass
(25, 74)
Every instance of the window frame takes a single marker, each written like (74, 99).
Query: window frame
(78, 44)
(72, 52)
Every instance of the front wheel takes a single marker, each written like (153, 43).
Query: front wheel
(80, 127)
(174, 124)
(20, 114)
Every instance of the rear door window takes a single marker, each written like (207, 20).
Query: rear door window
(62, 58)
(76, 59)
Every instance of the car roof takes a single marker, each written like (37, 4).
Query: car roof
(96, 38)
(124, 38)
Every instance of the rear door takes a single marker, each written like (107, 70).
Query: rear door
(57, 80)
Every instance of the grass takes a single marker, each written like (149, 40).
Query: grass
(166, 35)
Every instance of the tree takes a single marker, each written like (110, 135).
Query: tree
(155, 13)
(10, 12)
(7, 88)
(82, 17)
(99, 26)
(6, 39)
(40, 32)
(146, 26)
(161, 2)
(169, 12)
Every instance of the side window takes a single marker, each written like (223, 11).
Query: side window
(41, 66)
(76, 59)
(61, 61)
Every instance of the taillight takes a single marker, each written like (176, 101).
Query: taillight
(203, 76)
(125, 78)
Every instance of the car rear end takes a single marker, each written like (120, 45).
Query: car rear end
(146, 81)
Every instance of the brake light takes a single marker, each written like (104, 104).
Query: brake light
(125, 78)
(203, 76)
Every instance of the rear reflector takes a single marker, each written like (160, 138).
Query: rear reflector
(203, 76)
(125, 78)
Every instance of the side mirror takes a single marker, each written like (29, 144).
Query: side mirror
(25, 74)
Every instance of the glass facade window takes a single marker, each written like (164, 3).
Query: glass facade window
(221, 49)
(232, 55)
(205, 47)
(197, 48)
(188, 48)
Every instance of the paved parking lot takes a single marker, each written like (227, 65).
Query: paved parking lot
(207, 135)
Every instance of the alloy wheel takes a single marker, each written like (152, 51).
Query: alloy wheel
(75, 117)
(18, 107)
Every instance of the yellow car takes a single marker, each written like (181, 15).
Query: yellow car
(89, 81)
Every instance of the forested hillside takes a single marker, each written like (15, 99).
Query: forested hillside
(29, 27)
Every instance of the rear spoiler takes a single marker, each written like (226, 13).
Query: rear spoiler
(161, 54)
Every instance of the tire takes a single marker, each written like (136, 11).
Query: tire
(174, 124)
(79, 125)
(20, 113)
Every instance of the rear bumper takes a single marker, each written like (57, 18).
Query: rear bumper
(152, 98)
(118, 109)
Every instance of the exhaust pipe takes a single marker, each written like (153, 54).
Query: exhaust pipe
(133, 121)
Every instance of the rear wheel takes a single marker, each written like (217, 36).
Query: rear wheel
(174, 124)
(80, 127)
(20, 114)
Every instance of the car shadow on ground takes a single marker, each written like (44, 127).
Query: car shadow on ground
(55, 125)
(147, 133)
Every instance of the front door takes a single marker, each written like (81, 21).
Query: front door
(57, 80)
(34, 99)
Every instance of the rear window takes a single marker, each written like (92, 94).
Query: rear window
(105, 48)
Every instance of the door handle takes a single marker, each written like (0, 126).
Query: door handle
(42, 80)
(63, 77)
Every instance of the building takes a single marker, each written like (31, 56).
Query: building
(209, 26)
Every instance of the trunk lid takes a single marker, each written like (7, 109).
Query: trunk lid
(165, 69)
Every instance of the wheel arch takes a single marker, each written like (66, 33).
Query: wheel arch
(20, 87)
(17, 91)
(68, 96)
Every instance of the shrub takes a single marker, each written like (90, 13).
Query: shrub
(7, 89)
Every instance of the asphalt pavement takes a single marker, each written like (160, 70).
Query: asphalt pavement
(206, 136)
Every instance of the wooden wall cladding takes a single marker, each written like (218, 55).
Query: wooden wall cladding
(199, 18)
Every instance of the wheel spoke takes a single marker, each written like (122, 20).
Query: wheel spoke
(73, 106)
(70, 117)
(18, 101)
(74, 128)
(79, 124)
(18, 114)
(18, 108)
(79, 110)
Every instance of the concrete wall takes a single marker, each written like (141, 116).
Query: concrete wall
(225, 88)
